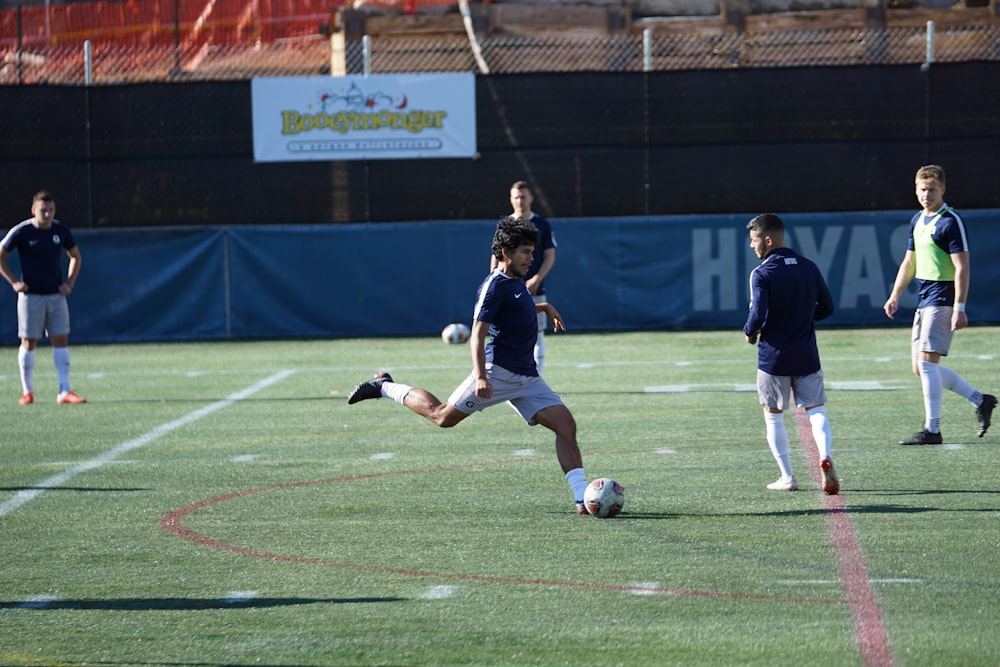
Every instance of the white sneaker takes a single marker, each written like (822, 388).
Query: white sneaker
(784, 484)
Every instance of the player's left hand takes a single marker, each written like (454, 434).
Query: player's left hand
(959, 320)
(557, 320)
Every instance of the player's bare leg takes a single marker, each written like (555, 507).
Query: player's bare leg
(559, 420)
(428, 405)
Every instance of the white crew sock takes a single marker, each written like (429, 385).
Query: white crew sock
(540, 351)
(930, 380)
(60, 357)
(26, 362)
(397, 391)
(577, 480)
(822, 433)
(777, 440)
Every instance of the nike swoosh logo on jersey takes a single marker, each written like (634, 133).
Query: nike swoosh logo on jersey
(518, 295)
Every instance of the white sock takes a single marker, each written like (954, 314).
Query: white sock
(26, 362)
(540, 351)
(577, 480)
(777, 440)
(930, 380)
(60, 357)
(397, 391)
(952, 381)
(822, 433)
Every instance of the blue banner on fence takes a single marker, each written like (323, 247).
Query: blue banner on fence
(668, 272)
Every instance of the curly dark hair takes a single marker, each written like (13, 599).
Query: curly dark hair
(513, 233)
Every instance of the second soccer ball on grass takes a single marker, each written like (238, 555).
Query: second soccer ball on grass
(455, 333)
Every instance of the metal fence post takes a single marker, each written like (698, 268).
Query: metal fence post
(366, 53)
(929, 58)
(88, 64)
(647, 50)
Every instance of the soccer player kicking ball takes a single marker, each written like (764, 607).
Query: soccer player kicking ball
(787, 295)
(503, 369)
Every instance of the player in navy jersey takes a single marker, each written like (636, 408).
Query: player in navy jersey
(937, 255)
(503, 367)
(40, 242)
(543, 259)
(787, 296)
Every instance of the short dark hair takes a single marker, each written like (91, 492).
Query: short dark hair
(767, 224)
(931, 172)
(521, 185)
(42, 195)
(513, 233)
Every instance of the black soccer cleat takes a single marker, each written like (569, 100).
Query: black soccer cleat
(984, 412)
(923, 438)
(369, 388)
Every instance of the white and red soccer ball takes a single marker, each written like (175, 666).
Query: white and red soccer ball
(604, 498)
(455, 333)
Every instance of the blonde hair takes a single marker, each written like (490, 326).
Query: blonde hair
(931, 172)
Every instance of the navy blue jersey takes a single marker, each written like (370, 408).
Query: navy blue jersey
(546, 240)
(787, 295)
(40, 252)
(934, 269)
(505, 303)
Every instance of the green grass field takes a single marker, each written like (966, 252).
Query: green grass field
(221, 504)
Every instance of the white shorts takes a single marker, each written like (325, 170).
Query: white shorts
(773, 390)
(932, 330)
(526, 394)
(39, 314)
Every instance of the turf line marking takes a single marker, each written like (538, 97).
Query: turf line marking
(25, 496)
(173, 523)
(439, 592)
(241, 597)
(870, 632)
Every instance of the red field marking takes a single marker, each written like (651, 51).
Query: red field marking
(870, 633)
(173, 523)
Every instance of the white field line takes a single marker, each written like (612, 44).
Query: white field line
(27, 495)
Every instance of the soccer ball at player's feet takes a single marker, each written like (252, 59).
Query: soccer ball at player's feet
(604, 498)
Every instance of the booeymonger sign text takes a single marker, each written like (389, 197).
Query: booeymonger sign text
(378, 117)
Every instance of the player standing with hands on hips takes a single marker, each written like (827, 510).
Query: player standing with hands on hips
(41, 291)
(937, 255)
(542, 261)
(787, 296)
(503, 369)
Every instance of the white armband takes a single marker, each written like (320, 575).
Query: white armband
(960, 307)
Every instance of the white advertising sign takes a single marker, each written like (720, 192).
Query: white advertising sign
(376, 117)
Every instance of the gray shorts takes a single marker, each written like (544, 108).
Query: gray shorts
(932, 330)
(526, 394)
(39, 314)
(773, 390)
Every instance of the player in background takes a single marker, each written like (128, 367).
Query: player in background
(521, 199)
(503, 369)
(41, 291)
(787, 296)
(937, 255)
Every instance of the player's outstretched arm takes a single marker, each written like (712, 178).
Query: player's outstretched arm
(553, 314)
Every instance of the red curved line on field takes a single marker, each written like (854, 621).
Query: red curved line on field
(869, 624)
(173, 523)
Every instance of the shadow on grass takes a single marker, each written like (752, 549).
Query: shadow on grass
(182, 604)
(860, 509)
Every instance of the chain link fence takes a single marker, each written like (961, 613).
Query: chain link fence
(110, 63)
